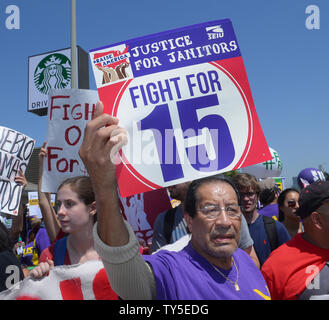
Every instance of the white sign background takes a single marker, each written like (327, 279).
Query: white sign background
(15, 152)
(66, 121)
(34, 208)
(141, 146)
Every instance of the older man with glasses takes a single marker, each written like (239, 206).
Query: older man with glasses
(211, 267)
(299, 269)
(267, 233)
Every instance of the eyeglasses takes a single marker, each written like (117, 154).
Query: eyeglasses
(249, 195)
(292, 203)
(211, 212)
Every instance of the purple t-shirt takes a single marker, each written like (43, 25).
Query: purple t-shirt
(32, 250)
(186, 275)
(271, 210)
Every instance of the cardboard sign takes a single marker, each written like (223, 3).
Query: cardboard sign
(34, 208)
(68, 113)
(184, 98)
(87, 281)
(141, 210)
(15, 152)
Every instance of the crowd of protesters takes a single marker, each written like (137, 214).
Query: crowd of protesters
(230, 238)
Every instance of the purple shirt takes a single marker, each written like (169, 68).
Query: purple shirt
(32, 250)
(186, 275)
(271, 210)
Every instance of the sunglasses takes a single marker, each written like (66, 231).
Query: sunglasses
(292, 203)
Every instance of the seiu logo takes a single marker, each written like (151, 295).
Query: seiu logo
(215, 32)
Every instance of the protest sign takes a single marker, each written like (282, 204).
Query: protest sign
(87, 281)
(270, 168)
(141, 210)
(280, 182)
(68, 113)
(15, 152)
(33, 202)
(184, 98)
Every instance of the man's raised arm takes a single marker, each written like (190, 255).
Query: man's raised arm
(102, 137)
(129, 275)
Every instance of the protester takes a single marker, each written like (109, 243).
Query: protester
(245, 242)
(210, 267)
(18, 220)
(288, 205)
(76, 210)
(18, 248)
(37, 240)
(299, 268)
(268, 197)
(170, 226)
(267, 233)
(10, 268)
(49, 215)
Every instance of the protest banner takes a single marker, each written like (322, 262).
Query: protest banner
(141, 210)
(87, 281)
(68, 113)
(33, 203)
(15, 152)
(184, 98)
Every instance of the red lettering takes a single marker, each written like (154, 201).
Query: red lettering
(71, 289)
(62, 165)
(79, 114)
(66, 106)
(72, 162)
(66, 165)
(26, 297)
(52, 106)
(87, 111)
(67, 137)
(51, 156)
(102, 288)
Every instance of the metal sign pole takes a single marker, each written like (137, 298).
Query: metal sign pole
(74, 84)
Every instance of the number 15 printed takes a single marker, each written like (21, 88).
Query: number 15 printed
(197, 131)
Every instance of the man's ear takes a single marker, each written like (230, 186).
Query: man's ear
(316, 219)
(188, 220)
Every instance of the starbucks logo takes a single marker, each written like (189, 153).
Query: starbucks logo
(53, 72)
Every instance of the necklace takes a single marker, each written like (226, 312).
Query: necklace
(235, 283)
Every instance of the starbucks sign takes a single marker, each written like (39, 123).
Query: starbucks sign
(53, 72)
(47, 71)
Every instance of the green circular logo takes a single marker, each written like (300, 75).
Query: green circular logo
(52, 72)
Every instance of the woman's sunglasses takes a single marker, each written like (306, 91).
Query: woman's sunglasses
(292, 203)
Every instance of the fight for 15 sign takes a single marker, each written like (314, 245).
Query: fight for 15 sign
(184, 98)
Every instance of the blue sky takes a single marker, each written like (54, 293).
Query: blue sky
(287, 64)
